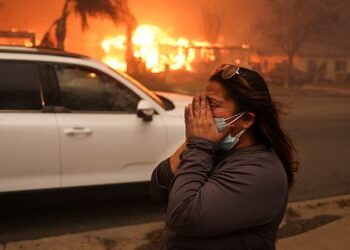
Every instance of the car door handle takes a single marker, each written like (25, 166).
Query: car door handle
(77, 131)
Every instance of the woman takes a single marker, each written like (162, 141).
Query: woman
(227, 186)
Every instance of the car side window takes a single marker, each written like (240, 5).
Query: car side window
(86, 89)
(20, 86)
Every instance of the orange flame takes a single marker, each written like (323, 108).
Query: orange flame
(156, 49)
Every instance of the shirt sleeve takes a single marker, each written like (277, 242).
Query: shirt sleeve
(160, 181)
(227, 201)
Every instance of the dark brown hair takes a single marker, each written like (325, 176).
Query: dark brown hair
(266, 127)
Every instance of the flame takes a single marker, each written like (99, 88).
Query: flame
(157, 50)
(28, 44)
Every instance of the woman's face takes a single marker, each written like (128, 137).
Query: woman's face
(223, 106)
(220, 103)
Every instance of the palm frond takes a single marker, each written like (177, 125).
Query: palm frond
(111, 9)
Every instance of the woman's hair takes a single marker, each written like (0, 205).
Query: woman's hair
(256, 98)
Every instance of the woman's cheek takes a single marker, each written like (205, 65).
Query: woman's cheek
(217, 113)
(213, 111)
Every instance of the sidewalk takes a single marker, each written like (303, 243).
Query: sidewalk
(332, 236)
(121, 238)
(329, 89)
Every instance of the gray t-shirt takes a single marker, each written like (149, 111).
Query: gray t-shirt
(222, 199)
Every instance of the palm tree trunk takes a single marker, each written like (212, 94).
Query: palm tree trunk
(289, 71)
(129, 53)
(46, 41)
(61, 28)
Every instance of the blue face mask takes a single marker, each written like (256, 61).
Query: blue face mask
(229, 141)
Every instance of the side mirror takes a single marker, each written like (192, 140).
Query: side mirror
(145, 110)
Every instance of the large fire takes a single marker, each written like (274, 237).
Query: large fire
(157, 50)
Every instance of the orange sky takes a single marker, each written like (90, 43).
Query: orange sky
(178, 17)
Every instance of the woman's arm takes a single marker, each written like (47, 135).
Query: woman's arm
(175, 158)
(162, 176)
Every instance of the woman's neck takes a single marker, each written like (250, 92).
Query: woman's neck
(246, 140)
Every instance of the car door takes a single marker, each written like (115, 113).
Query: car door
(29, 141)
(102, 139)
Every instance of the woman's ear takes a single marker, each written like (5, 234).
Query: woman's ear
(248, 119)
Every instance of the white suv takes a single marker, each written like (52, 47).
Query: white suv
(68, 120)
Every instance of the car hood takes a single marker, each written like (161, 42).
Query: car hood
(179, 100)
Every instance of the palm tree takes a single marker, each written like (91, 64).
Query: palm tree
(116, 10)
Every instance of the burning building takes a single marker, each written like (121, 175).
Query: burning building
(18, 38)
(156, 51)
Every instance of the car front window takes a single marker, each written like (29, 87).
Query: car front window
(85, 89)
(139, 85)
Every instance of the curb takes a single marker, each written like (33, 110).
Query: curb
(329, 90)
(337, 205)
(119, 238)
(306, 216)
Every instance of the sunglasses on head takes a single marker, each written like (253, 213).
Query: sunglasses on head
(230, 70)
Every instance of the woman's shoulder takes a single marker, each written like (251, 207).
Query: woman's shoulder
(258, 154)
(257, 164)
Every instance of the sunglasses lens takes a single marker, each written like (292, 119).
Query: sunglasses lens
(230, 71)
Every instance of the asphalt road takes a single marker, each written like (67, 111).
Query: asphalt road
(46, 213)
(318, 123)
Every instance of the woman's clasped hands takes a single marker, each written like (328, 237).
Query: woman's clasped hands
(200, 121)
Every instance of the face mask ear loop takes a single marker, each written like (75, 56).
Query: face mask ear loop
(240, 115)
(234, 116)
(240, 133)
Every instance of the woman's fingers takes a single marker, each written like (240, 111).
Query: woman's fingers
(196, 107)
(203, 108)
(209, 113)
(190, 112)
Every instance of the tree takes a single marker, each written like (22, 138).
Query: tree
(289, 24)
(339, 37)
(212, 20)
(116, 10)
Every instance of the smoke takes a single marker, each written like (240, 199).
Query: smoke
(177, 17)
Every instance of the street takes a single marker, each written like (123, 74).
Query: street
(318, 123)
